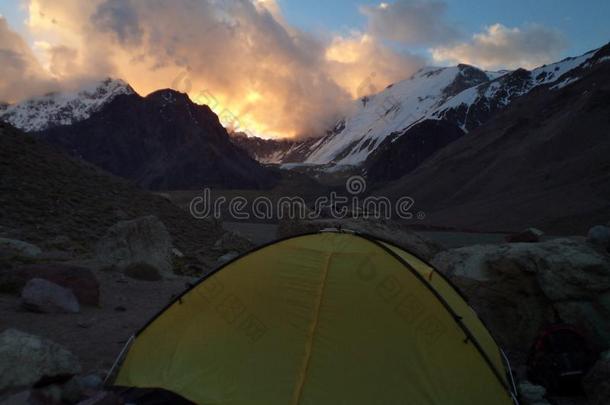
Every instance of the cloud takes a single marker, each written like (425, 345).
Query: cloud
(241, 56)
(502, 47)
(119, 17)
(411, 22)
(361, 63)
(20, 72)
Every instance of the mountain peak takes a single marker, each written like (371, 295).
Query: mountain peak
(64, 108)
(169, 96)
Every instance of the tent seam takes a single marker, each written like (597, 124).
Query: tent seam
(312, 331)
(448, 308)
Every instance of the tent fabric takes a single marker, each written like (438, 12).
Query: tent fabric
(327, 318)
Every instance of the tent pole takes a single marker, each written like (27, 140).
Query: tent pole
(118, 360)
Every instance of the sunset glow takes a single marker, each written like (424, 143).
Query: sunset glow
(258, 73)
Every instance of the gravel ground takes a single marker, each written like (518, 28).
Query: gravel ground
(97, 335)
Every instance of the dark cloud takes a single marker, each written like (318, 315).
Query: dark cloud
(120, 18)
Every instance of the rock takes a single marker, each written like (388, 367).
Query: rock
(77, 388)
(56, 256)
(177, 253)
(142, 271)
(121, 215)
(167, 197)
(411, 241)
(103, 398)
(91, 381)
(22, 248)
(86, 323)
(142, 240)
(227, 258)
(40, 295)
(26, 359)
(233, 242)
(531, 394)
(597, 383)
(47, 395)
(20, 398)
(59, 242)
(517, 289)
(80, 280)
(530, 235)
(599, 236)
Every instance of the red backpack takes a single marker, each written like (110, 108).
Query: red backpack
(560, 357)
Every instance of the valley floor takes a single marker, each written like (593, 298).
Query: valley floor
(97, 335)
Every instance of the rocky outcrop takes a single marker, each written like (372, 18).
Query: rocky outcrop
(519, 288)
(233, 242)
(80, 280)
(411, 241)
(597, 382)
(530, 235)
(20, 247)
(142, 240)
(531, 394)
(600, 236)
(40, 295)
(26, 359)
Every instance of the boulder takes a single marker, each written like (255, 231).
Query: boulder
(599, 236)
(20, 247)
(597, 382)
(517, 289)
(26, 359)
(40, 295)
(59, 242)
(233, 242)
(177, 253)
(411, 241)
(103, 398)
(227, 258)
(142, 240)
(80, 280)
(143, 272)
(531, 394)
(530, 235)
(21, 398)
(80, 388)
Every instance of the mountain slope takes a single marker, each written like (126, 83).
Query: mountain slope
(391, 111)
(464, 96)
(273, 151)
(46, 194)
(55, 109)
(397, 156)
(162, 141)
(541, 162)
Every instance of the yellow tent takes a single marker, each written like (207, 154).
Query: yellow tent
(326, 318)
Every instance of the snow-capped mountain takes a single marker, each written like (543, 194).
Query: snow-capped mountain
(463, 95)
(163, 141)
(66, 108)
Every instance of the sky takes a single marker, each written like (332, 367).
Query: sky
(279, 68)
(584, 23)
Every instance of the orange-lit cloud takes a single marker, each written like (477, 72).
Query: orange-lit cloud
(259, 73)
